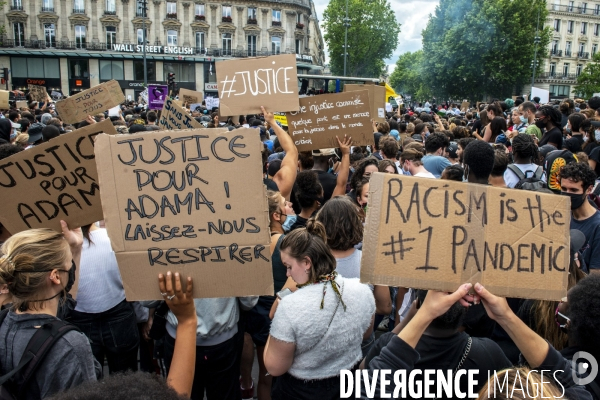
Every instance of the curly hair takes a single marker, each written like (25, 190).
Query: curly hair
(308, 188)
(578, 172)
(523, 146)
(343, 223)
(360, 170)
(435, 142)
(584, 312)
(552, 113)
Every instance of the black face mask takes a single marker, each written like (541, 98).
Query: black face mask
(540, 124)
(577, 200)
(71, 280)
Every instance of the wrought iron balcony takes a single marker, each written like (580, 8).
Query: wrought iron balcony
(78, 11)
(16, 7)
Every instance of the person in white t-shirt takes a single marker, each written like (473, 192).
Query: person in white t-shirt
(410, 160)
(525, 152)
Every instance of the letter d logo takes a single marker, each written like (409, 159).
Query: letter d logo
(583, 367)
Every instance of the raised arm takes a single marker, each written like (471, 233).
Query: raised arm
(342, 177)
(286, 176)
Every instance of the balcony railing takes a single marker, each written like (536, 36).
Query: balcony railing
(110, 12)
(78, 11)
(200, 17)
(582, 54)
(556, 75)
(252, 21)
(299, 25)
(275, 23)
(143, 14)
(575, 10)
(226, 19)
(555, 53)
(47, 9)
(16, 7)
(567, 53)
(170, 16)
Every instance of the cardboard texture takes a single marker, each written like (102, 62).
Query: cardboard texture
(37, 93)
(190, 96)
(53, 181)
(465, 106)
(22, 104)
(174, 116)
(431, 234)
(4, 95)
(245, 85)
(187, 201)
(376, 96)
(156, 96)
(89, 102)
(322, 117)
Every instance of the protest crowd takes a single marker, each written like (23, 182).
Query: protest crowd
(85, 340)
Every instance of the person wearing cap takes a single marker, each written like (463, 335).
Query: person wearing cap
(577, 181)
(451, 153)
(321, 158)
(35, 134)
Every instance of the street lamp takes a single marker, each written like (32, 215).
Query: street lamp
(536, 41)
(144, 13)
(346, 25)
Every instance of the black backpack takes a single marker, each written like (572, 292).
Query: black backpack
(14, 384)
(526, 182)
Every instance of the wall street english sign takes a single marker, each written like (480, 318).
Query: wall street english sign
(133, 48)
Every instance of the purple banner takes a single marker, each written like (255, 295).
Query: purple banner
(156, 96)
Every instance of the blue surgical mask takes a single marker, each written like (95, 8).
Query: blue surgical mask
(289, 221)
(568, 129)
(523, 119)
(13, 136)
(597, 135)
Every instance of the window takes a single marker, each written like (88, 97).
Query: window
(583, 8)
(172, 38)
(140, 10)
(200, 43)
(48, 5)
(299, 18)
(80, 36)
(79, 68)
(110, 6)
(571, 4)
(17, 4)
(184, 72)
(138, 70)
(583, 28)
(581, 47)
(566, 69)
(252, 46)
(554, 47)
(251, 13)
(568, 49)
(141, 35)
(552, 70)
(227, 11)
(557, 25)
(227, 44)
(199, 9)
(111, 70)
(19, 34)
(275, 45)
(22, 67)
(596, 29)
(277, 15)
(559, 90)
(50, 35)
(171, 7)
(594, 48)
(298, 46)
(78, 6)
(579, 69)
(597, 9)
(570, 26)
(111, 36)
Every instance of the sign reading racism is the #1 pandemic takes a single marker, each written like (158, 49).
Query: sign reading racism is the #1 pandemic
(176, 201)
(431, 234)
(245, 85)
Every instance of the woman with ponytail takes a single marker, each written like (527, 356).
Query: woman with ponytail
(318, 329)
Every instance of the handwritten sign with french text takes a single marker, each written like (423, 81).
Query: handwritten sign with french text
(98, 99)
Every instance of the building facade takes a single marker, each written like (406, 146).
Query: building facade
(575, 39)
(71, 45)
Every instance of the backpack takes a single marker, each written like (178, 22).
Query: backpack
(533, 182)
(13, 385)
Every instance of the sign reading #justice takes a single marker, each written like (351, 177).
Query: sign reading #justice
(432, 234)
(322, 118)
(176, 201)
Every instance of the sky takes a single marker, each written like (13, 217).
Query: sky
(411, 14)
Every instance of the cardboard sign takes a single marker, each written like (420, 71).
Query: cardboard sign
(37, 93)
(190, 96)
(22, 104)
(245, 85)
(376, 96)
(156, 96)
(4, 95)
(196, 107)
(211, 102)
(464, 106)
(281, 118)
(322, 118)
(188, 208)
(89, 102)
(173, 116)
(53, 181)
(431, 234)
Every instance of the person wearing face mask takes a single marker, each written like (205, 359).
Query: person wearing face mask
(591, 135)
(36, 266)
(410, 160)
(527, 111)
(575, 143)
(577, 181)
(548, 118)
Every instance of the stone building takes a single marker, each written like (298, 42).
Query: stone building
(71, 45)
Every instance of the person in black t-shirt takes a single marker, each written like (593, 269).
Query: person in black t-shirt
(309, 195)
(321, 167)
(575, 143)
(549, 118)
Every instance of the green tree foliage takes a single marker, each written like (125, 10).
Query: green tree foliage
(407, 78)
(474, 48)
(588, 82)
(372, 36)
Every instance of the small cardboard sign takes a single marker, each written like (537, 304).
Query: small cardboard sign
(188, 96)
(187, 209)
(53, 181)
(465, 106)
(211, 102)
(37, 93)
(156, 96)
(173, 116)
(322, 118)
(376, 96)
(89, 102)
(4, 96)
(22, 104)
(431, 234)
(245, 85)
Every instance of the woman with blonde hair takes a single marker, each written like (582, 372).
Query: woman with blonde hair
(39, 266)
(410, 161)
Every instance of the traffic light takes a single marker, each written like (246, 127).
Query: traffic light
(4, 76)
(171, 79)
